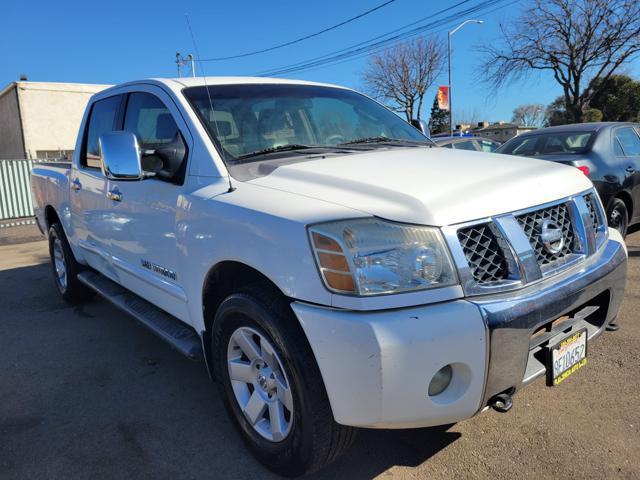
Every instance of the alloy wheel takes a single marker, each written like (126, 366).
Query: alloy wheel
(60, 264)
(260, 384)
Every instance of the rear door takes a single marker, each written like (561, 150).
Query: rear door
(90, 215)
(143, 242)
(627, 151)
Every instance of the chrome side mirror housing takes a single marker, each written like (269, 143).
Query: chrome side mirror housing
(421, 125)
(120, 156)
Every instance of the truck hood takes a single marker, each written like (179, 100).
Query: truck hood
(428, 186)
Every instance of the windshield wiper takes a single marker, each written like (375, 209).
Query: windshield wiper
(382, 140)
(281, 148)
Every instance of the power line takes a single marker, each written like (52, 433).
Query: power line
(305, 68)
(371, 44)
(298, 40)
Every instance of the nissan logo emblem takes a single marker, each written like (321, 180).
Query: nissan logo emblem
(551, 236)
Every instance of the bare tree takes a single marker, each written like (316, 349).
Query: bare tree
(530, 115)
(401, 75)
(579, 41)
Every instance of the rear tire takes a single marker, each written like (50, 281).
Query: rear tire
(309, 438)
(65, 268)
(618, 216)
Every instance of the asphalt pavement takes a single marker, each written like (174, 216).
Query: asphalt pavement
(86, 392)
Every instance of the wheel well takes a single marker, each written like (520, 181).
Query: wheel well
(224, 279)
(50, 216)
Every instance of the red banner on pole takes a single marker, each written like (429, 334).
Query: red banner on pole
(443, 97)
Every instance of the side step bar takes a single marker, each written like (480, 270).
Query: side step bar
(176, 333)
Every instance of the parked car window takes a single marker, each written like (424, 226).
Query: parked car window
(101, 120)
(549, 143)
(520, 146)
(617, 148)
(629, 141)
(271, 116)
(487, 146)
(466, 145)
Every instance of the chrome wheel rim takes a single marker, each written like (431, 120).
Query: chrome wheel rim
(59, 264)
(260, 384)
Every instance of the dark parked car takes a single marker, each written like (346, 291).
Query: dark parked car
(467, 143)
(608, 153)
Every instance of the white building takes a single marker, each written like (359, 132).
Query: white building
(41, 119)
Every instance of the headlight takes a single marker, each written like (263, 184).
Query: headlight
(369, 256)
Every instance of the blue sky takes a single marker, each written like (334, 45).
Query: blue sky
(117, 41)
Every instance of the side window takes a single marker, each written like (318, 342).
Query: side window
(150, 120)
(101, 120)
(629, 141)
(617, 148)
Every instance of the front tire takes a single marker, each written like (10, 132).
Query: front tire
(618, 216)
(65, 268)
(271, 384)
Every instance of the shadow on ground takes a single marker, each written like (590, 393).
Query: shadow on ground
(87, 392)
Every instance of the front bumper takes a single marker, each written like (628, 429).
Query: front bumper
(376, 366)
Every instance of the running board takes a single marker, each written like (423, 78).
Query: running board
(173, 331)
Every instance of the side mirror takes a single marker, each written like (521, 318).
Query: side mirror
(421, 125)
(120, 156)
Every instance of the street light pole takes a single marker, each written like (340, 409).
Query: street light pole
(449, 56)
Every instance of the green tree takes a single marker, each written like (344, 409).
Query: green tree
(556, 113)
(439, 121)
(592, 115)
(618, 98)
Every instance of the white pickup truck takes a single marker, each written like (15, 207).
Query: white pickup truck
(332, 266)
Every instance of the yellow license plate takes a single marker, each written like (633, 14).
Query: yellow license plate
(566, 357)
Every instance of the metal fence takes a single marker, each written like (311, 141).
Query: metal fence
(15, 189)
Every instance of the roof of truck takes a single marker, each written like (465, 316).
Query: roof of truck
(177, 84)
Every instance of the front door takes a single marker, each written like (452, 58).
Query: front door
(142, 239)
(627, 152)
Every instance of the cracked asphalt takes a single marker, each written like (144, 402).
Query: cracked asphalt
(86, 392)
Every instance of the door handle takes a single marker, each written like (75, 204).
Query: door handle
(630, 169)
(114, 195)
(76, 185)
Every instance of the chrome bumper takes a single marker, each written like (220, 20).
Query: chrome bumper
(511, 318)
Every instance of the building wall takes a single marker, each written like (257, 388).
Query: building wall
(11, 144)
(51, 115)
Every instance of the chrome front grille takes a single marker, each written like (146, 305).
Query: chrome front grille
(591, 202)
(511, 250)
(486, 258)
(532, 223)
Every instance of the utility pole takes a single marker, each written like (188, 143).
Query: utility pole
(449, 50)
(182, 61)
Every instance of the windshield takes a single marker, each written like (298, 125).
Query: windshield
(552, 143)
(252, 120)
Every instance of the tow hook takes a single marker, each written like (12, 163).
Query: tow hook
(501, 403)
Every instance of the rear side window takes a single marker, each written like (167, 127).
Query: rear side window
(629, 141)
(150, 120)
(102, 119)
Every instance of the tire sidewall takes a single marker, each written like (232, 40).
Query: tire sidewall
(55, 233)
(241, 310)
(619, 205)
